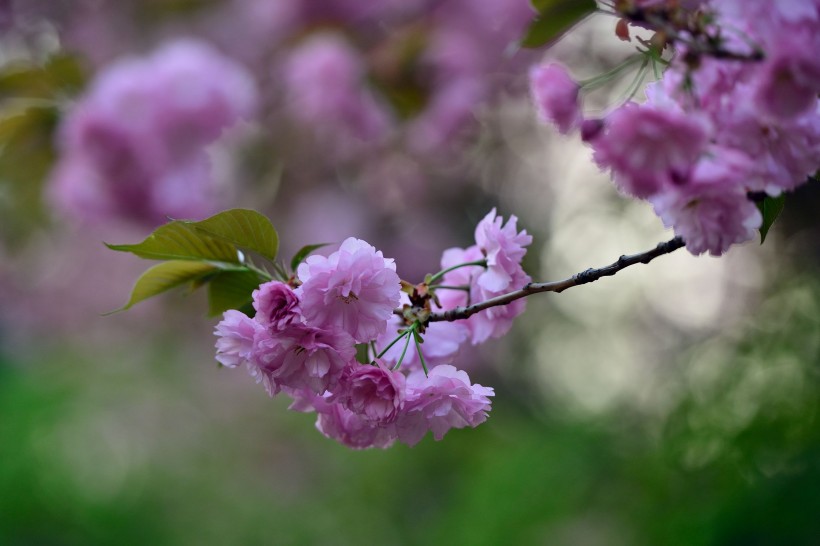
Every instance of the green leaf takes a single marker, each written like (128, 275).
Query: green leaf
(164, 277)
(182, 241)
(362, 355)
(60, 75)
(555, 17)
(242, 227)
(26, 157)
(231, 290)
(303, 253)
(770, 208)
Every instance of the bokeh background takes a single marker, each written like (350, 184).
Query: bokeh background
(675, 403)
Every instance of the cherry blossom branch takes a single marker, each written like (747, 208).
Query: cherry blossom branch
(584, 277)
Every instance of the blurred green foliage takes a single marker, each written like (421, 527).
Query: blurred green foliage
(555, 17)
(97, 454)
(31, 95)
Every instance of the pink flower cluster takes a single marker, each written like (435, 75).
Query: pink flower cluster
(302, 341)
(714, 130)
(502, 247)
(134, 146)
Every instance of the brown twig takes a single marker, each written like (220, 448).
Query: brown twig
(584, 277)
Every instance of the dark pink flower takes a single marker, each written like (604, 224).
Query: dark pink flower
(648, 147)
(337, 422)
(375, 393)
(276, 305)
(555, 95)
(300, 357)
(788, 84)
(350, 429)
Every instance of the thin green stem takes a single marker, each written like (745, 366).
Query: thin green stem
(655, 69)
(635, 86)
(440, 274)
(261, 272)
(602, 79)
(463, 288)
(401, 335)
(421, 356)
(404, 351)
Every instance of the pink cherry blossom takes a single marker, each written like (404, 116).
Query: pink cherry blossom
(555, 95)
(375, 393)
(276, 305)
(300, 357)
(443, 400)
(355, 289)
(236, 332)
(648, 147)
(712, 211)
(352, 430)
(496, 321)
(504, 247)
(788, 84)
(785, 152)
(461, 277)
(337, 422)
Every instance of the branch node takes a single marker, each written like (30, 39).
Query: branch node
(585, 277)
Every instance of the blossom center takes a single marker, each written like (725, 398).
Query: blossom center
(349, 298)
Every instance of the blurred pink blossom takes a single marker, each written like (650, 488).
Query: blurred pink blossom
(325, 88)
(555, 95)
(134, 146)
